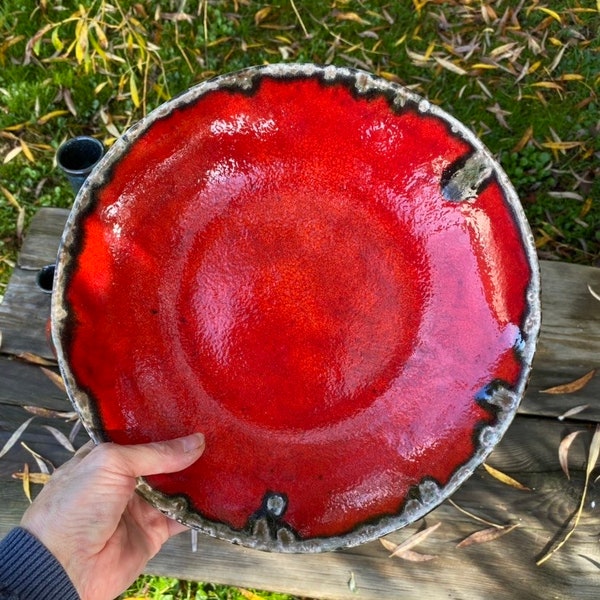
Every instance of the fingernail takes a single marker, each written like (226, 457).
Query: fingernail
(193, 442)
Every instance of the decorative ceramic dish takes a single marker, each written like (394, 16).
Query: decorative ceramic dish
(323, 272)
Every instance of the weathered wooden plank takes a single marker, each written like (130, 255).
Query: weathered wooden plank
(528, 453)
(23, 384)
(569, 343)
(569, 346)
(36, 437)
(24, 313)
(40, 246)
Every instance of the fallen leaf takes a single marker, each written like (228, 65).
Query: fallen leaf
(552, 13)
(573, 411)
(524, 140)
(10, 155)
(409, 555)
(450, 66)
(474, 517)
(48, 413)
(34, 359)
(11, 198)
(41, 462)
(410, 542)
(51, 115)
(593, 293)
(56, 379)
(26, 486)
(572, 386)
(500, 476)
(261, 15)
(593, 454)
(37, 478)
(563, 451)
(485, 535)
(61, 438)
(12, 440)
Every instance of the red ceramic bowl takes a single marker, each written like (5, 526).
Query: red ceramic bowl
(323, 272)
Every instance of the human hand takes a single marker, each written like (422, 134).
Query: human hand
(89, 516)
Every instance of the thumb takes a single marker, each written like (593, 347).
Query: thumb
(155, 457)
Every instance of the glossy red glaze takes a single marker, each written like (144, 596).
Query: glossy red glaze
(281, 271)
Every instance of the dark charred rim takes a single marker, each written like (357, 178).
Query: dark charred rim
(501, 401)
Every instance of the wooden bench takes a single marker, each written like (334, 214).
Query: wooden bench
(503, 568)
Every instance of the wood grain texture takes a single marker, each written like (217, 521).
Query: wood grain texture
(502, 569)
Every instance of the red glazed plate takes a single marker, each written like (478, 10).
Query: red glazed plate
(327, 275)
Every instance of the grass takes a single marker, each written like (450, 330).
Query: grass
(167, 588)
(523, 74)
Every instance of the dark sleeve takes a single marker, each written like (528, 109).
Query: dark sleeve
(29, 571)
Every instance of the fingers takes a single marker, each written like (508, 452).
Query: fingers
(153, 458)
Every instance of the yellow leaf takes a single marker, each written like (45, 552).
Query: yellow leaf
(571, 77)
(561, 145)
(419, 4)
(56, 41)
(27, 152)
(551, 85)
(483, 66)
(261, 15)
(351, 16)
(11, 199)
(524, 140)
(51, 115)
(504, 478)
(102, 39)
(134, 91)
(38, 478)
(403, 39)
(550, 12)
(26, 486)
(81, 47)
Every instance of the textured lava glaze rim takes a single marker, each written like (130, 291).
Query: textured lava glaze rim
(429, 493)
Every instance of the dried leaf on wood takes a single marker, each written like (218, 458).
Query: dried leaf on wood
(593, 454)
(474, 517)
(12, 440)
(409, 555)
(38, 478)
(410, 542)
(26, 486)
(74, 430)
(34, 359)
(573, 411)
(572, 386)
(48, 413)
(41, 462)
(563, 451)
(56, 379)
(61, 438)
(486, 535)
(500, 476)
(593, 293)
